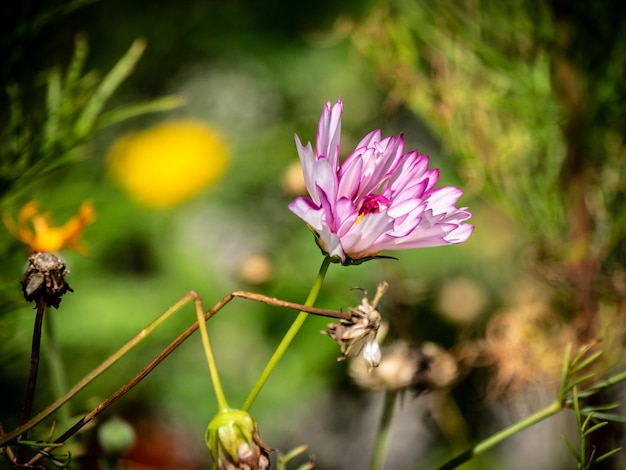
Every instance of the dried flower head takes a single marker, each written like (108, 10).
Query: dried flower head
(45, 279)
(360, 332)
(425, 368)
(35, 230)
(234, 442)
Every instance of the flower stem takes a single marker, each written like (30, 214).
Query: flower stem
(208, 351)
(58, 377)
(491, 441)
(35, 353)
(289, 336)
(380, 451)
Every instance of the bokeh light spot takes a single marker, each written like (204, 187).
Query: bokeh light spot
(169, 163)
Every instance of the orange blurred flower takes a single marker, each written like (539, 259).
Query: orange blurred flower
(34, 229)
(169, 163)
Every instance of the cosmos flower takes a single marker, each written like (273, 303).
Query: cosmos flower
(35, 229)
(379, 198)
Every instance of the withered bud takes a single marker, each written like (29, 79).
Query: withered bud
(425, 368)
(45, 279)
(360, 331)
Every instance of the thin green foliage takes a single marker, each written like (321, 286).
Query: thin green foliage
(35, 144)
(586, 458)
(486, 93)
(124, 67)
(284, 459)
(13, 42)
(588, 418)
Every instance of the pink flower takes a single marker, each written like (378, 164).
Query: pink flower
(380, 198)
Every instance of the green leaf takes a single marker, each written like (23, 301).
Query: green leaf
(571, 448)
(578, 367)
(608, 454)
(292, 453)
(594, 428)
(283, 459)
(580, 380)
(580, 354)
(53, 102)
(564, 372)
(158, 105)
(306, 466)
(586, 422)
(39, 444)
(591, 409)
(107, 87)
(75, 69)
(604, 384)
(610, 417)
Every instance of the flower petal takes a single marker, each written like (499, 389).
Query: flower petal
(379, 198)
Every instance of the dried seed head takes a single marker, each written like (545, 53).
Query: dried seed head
(360, 331)
(45, 279)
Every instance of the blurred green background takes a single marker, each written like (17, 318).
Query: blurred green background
(521, 105)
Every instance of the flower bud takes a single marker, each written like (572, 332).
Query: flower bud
(233, 440)
(372, 353)
(116, 436)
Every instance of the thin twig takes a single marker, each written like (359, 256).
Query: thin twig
(95, 372)
(156, 361)
(127, 387)
(173, 345)
(322, 312)
(9, 452)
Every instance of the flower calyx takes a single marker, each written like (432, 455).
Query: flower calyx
(359, 333)
(234, 442)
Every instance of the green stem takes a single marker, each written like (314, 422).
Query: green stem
(58, 377)
(208, 351)
(581, 430)
(380, 451)
(289, 336)
(490, 442)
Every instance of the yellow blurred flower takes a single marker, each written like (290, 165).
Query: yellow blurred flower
(168, 163)
(34, 229)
